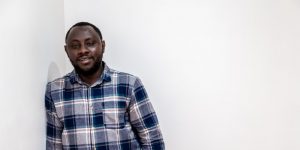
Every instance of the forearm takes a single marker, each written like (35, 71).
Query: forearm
(152, 140)
(53, 144)
(149, 133)
(54, 133)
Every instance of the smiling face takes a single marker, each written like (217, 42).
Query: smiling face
(85, 50)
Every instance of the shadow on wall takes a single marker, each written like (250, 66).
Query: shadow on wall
(53, 72)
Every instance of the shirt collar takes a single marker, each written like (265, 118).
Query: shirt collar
(105, 76)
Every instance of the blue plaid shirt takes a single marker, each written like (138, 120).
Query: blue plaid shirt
(112, 114)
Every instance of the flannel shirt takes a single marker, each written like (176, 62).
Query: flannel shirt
(113, 114)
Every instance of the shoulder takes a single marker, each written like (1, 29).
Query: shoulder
(124, 77)
(59, 83)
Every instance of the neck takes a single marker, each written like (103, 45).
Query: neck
(91, 78)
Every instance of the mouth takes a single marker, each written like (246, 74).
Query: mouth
(84, 60)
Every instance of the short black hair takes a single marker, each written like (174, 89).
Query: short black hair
(84, 24)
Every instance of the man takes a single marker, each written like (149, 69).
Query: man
(95, 107)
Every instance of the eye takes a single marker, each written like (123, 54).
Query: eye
(90, 44)
(75, 46)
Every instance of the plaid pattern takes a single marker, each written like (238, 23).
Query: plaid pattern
(112, 114)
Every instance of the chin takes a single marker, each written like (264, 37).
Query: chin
(86, 70)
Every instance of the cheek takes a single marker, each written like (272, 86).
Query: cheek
(71, 56)
(97, 52)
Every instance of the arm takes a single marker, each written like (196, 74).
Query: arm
(144, 120)
(54, 126)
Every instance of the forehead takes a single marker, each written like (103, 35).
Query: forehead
(82, 33)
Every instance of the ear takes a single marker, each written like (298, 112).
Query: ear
(66, 50)
(103, 45)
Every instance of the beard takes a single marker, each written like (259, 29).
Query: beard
(90, 71)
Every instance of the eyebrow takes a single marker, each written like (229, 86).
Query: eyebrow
(89, 38)
(73, 42)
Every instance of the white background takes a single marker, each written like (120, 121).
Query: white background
(31, 41)
(222, 74)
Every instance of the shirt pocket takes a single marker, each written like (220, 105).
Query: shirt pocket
(114, 113)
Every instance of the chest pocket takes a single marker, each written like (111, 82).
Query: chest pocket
(115, 114)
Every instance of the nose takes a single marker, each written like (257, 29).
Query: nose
(83, 50)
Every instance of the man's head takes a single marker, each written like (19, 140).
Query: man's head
(84, 24)
(85, 48)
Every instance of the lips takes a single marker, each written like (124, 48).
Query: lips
(84, 60)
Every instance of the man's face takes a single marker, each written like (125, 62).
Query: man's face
(85, 49)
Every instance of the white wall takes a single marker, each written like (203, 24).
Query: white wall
(223, 75)
(31, 37)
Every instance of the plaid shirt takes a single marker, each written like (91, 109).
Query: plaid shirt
(112, 114)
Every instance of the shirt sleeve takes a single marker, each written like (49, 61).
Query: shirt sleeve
(54, 126)
(144, 120)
